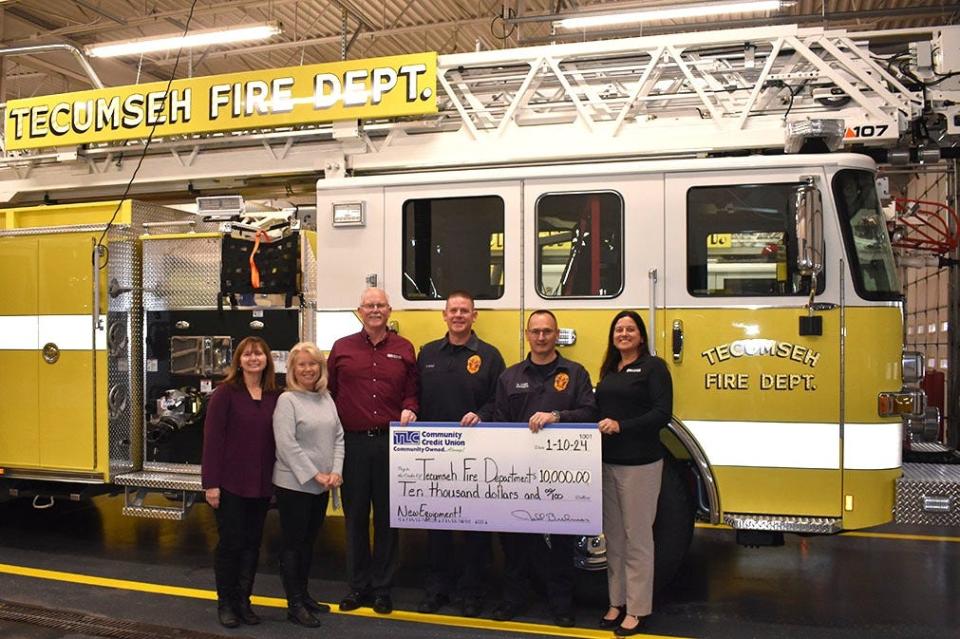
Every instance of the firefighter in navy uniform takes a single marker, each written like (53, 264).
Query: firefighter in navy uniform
(543, 389)
(458, 375)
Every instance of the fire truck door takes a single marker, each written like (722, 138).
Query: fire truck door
(759, 395)
(591, 243)
(66, 374)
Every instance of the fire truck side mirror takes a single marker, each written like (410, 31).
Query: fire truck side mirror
(808, 227)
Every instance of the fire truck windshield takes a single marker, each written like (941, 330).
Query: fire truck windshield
(865, 235)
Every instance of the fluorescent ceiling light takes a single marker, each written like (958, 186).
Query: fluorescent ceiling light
(194, 39)
(670, 13)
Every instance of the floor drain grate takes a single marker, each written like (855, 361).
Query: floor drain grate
(94, 625)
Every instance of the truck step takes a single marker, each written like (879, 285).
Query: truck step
(156, 495)
(783, 523)
(929, 495)
(155, 512)
(155, 480)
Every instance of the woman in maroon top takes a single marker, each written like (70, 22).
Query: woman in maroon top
(238, 456)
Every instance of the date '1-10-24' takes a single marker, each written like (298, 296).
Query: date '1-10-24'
(567, 444)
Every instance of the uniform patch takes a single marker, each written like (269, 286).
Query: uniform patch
(560, 382)
(473, 364)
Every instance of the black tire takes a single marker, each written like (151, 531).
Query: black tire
(673, 529)
(672, 534)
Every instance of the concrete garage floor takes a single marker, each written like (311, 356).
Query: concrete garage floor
(86, 557)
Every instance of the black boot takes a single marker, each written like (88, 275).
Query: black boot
(225, 571)
(297, 611)
(226, 614)
(312, 604)
(248, 571)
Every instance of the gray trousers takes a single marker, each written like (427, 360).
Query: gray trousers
(629, 509)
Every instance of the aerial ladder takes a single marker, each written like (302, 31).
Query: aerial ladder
(704, 93)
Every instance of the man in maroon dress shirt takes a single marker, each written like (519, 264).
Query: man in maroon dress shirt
(373, 380)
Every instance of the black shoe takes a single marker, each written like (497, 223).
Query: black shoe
(382, 604)
(629, 632)
(432, 603)
(227, 616)
(471, 607)
(609, 624)
(564, 619)
(246, 614)
(315, 606)
(302, 617)
(506, 610)
(353, 601)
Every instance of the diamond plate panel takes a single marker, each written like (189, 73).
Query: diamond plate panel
(821, 525)
(181, 273)
(925, 488)
(154, 512)
(169, 481)
(124, 390)
(308, 319)
(123, 360)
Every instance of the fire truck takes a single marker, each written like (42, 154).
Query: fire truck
(721, 183)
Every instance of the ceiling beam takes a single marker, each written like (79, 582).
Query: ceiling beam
(333, 39)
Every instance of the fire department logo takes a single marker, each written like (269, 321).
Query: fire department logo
(560, 382)
(473, 364)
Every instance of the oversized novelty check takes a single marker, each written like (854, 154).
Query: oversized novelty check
(496, 477)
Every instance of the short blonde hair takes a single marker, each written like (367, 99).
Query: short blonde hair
(306, 349)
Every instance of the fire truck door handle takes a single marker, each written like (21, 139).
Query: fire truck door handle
(677, 340)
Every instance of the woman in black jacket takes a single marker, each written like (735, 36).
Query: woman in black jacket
(635, 397)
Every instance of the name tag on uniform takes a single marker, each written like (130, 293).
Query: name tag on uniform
(394, 356)
(523, 385)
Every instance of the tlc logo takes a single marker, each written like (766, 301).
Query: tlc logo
(406, 437)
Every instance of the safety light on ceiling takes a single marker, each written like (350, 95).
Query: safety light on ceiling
(191, 40)
(669, 13)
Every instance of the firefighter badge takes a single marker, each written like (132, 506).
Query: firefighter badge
(560, 382)
(473, 364)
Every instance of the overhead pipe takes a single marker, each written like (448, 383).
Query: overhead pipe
(57, 47)
(813, 19)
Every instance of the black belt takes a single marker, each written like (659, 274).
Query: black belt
(369, 432)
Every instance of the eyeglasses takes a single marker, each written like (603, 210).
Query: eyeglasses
(544, 332)
(374, 307)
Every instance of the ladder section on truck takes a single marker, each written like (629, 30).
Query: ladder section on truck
(682, 93)
(929, 495)
(142, 490)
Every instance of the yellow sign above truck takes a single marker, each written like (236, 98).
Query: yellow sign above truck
(354, 89)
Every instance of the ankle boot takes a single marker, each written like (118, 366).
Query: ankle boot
(226, 615)
(298, 614)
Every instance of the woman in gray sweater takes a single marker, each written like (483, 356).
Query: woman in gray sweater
(309, 441)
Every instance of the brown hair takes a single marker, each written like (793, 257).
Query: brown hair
(306, 349)
(268, 379)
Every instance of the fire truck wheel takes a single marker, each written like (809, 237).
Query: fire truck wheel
(673, 530)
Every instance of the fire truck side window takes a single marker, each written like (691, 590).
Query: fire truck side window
(453, 244)
(739, 242)
(580, 245)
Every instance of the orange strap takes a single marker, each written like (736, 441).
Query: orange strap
(254, 271)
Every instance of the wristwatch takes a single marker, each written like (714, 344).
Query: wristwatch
(556, 414)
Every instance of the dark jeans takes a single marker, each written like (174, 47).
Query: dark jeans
(366, 481)
(442, 578)
(525, 553)
(240, 527)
